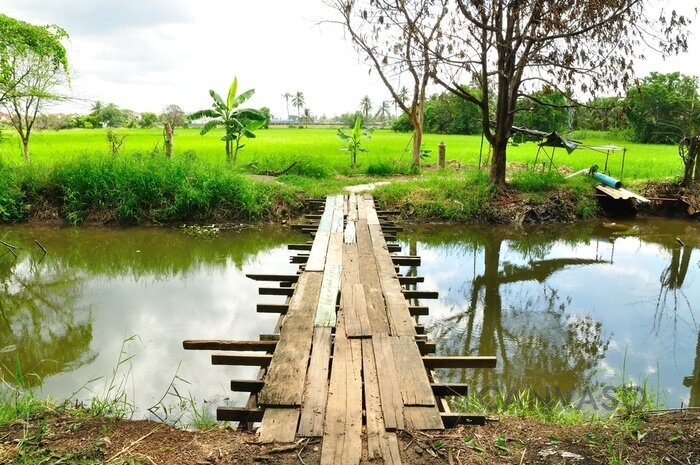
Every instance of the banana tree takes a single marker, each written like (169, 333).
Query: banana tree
(353, 139)
(237, 123)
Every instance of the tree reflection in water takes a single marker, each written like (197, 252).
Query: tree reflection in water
(40, 327)
(538, 345)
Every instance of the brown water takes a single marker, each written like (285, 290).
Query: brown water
(563, 308)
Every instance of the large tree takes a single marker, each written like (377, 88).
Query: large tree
(663, 108)
(395, 36)
(514, 47)
(33, 64)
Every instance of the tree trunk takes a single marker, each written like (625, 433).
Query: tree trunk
(417, 142)
(228, 151)
(498, 163)
(25, 147)
(168, 136)
(696, 149)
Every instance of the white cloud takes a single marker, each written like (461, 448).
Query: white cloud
(144, 55)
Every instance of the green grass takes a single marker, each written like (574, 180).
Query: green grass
(317, 150)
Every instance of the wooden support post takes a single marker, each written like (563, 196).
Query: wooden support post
(441, 154)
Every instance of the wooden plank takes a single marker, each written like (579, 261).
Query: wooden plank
(352, 208)
(342, 443)
(314, 408)
(355, 310)
(317, 256)
(460, 362)
(292, 278)
(287, 291)
(400, 321)
(299, 246)
(330, 287)
(241, 360)
(247, 385)
(373, 407)
(411, 294)
(376, 310)
(285, 381)
(243, 346)
(372, 217)
(279, 425)
(413, 379)
(405, 260)
(450, 420)
(272, 308)
(404, 280)
(449, 389)
(325, 311)
(349, 236)
(243, 415)
(389, 389)
(422, 418)
(417, 310)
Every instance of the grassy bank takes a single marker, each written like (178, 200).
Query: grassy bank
(514, 434)
(138, 189)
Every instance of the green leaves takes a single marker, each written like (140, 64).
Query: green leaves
(232, 93)
(353, 139)
(237, 123)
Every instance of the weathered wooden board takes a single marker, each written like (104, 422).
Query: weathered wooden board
(376, 440)
(325, 313)
(357, 323)
(279, 425)
(352, 208)
(327, 302)
(422, 418)
(285, 381)
(376, 307)
(413, 379)
(400, 321)
(349, 235)
(342, 443)
(313, 410)
(317, 256)
(389, 388)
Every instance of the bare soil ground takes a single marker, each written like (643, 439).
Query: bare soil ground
(74, 438)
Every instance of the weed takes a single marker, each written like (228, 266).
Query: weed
(113, 401)
(523, 405)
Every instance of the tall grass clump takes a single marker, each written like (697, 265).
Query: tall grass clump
(144, 188)
(536, 181)
(443, 196)
(16, 185)
(18, 399)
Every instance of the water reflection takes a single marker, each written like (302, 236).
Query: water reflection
(560, 308)
(65, 317)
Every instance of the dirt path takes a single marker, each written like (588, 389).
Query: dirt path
(672, 438)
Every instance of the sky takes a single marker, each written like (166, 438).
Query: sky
(147, 54)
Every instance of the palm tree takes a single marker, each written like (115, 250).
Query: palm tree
(403, 96)
(307, 116)
(366, 106)
(298, 102)
(286, 96)
(383, 110)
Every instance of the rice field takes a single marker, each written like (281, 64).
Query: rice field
(277, 147)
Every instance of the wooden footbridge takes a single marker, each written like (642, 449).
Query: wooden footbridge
(348, 359)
